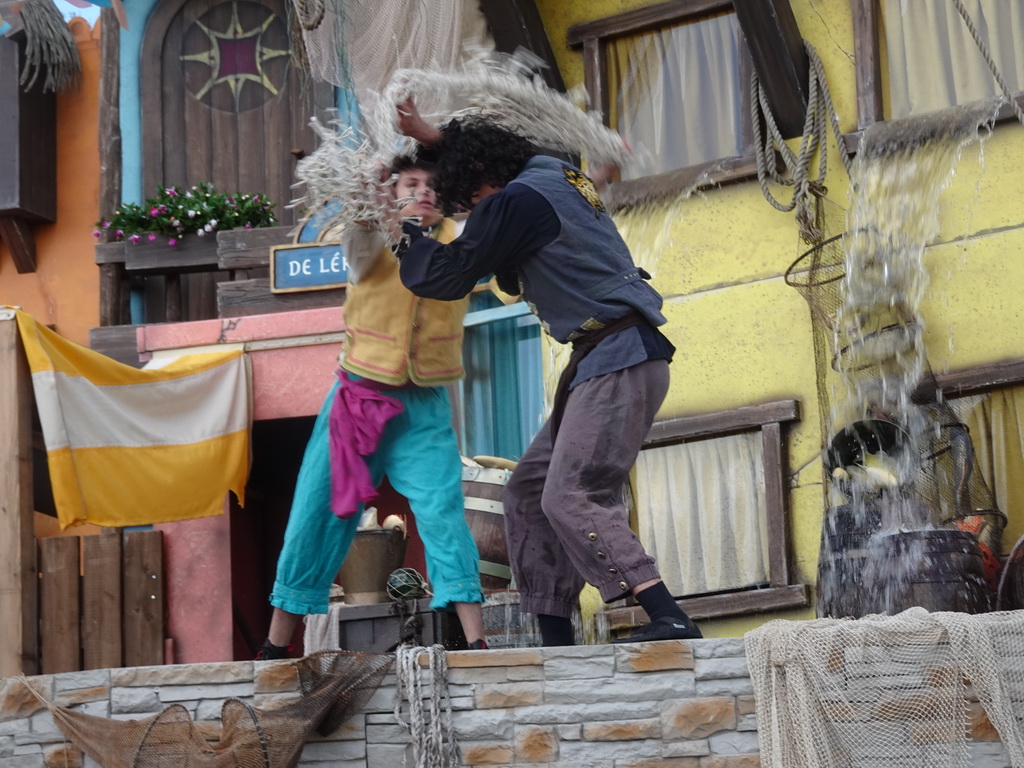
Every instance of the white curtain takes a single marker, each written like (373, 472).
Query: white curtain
(701, 512)
(676, 95)
(934, 62)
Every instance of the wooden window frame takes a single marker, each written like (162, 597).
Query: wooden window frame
(771, 44)
(778, 593)
(867, 53)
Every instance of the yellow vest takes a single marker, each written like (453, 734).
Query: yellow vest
(393, 336)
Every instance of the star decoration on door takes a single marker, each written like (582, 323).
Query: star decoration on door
(240, 54)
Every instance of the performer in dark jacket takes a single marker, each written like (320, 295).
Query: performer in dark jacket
(538, 223)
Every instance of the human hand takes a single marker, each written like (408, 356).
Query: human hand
(411, 124)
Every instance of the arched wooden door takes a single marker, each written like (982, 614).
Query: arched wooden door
(223, 100)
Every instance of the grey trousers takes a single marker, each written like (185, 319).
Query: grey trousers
(565, 520)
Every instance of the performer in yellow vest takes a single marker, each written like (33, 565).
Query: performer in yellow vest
(407, 348)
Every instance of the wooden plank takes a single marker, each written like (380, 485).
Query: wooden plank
(59, 626)
(143, 579)
(642, 19)
(248, 248)
(665, 186)
(253, 297)
(775, 499)
(119, 342)
(780, 59)
(595, 75)
(743, 602)
(16, 234)
(981, 378)
(101, 601)
(109, 253)
(110, 115)
(867, 62)
(19, 639)
(515, 23)
(721, 422)
(112, 286)
(190, 254)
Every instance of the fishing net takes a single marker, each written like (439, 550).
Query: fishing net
(897, 457)
(333, 684)
(914, 689)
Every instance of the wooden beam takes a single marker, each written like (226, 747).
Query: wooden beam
(981, 378)
(60, 628)
(17, 237)
(249, 248)
(119, 342)
(19, 638)
(253, 297)
(742, 602)
(143, 579)
(721, 422)
(595, 73)
(516, 23)
(867, 62)
(775, 500)
(779, 58)
(643, 19)
(113, 280)
(666, 186)
(101, 600)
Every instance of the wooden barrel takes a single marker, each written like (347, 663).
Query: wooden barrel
(841, 589)
(944, 571)
(373, 556)
(482, 488)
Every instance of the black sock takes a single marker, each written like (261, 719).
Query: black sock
(658, 602)
(555, 630)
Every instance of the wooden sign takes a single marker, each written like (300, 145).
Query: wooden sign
(307, 267)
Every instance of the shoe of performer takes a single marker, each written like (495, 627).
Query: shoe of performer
(271, 652)
(665, 628)
(478, 645)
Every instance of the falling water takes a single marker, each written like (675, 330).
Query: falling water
(901, 169)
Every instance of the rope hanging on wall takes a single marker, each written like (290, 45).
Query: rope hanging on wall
(1010, 96)
(770, 147)
(432, 732)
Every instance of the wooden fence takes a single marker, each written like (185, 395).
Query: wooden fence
(101, 601)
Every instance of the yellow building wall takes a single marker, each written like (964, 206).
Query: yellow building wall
(64, 289)
(744, 336)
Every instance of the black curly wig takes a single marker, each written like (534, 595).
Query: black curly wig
(474, 151)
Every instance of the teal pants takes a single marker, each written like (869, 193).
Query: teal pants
(419, 455)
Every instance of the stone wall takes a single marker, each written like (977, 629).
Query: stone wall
(676, 704)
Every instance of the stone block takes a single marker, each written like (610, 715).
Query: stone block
(746, 723)
(183, 693)
(351, 730)
(585, 713)
(90, 678)
(666, 762)
(484, 753)
(10, 727)
(746, 705)
(578, 652)
(53, 736)
(333, 751)
(388, 755)
(988, 755)
(535, 744)
(688, 748)
(6, 746)
(734, 743)
(134, 700)
(511, 657)
(187, 674)
(721, 669)
(275, 678)
(82, 696)
(579, 668)
(979, 726)
(271, 701)
(585, 753)
(719, 647)
(17, 699)
(569, 732)
(28, 749)
(738, 686)
(500, 695)
(653, 657)
(623, 690)
(525, 672)
(471, 675)
(386, 733)
(23, 761)
(698, 718)
(622, 730)
(484, 724)
(731, 761)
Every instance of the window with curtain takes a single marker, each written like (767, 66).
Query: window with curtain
(501, 400)
(702, 513)
(934, 63)
(677, 95)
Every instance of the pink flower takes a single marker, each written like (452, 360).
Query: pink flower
(248, 226)
(134, 238)
(154, 211)
(119, 233)
(105, 224)
(172, 242)
(152, 237)
(95, 233)
(171, 192)
(255, 198)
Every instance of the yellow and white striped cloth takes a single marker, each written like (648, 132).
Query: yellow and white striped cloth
(136, 447)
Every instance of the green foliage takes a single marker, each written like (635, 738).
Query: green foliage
(175, 212)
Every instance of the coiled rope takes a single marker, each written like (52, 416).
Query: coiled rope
(431, 729)
(770, 145)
